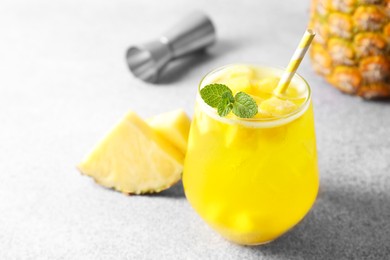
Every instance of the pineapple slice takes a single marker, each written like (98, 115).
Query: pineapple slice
(173, 126)
(132, 158)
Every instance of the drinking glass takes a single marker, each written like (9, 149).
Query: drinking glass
(252, 180)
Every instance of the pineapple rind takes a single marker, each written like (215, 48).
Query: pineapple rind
(352, 47)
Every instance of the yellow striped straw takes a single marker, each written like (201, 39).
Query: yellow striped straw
(294, 62)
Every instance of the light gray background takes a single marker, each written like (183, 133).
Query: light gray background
(64, 83)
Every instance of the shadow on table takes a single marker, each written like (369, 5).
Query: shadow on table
(176, 191)
(177, 69)
(344, 224)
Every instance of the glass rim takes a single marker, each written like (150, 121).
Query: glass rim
(256, 121)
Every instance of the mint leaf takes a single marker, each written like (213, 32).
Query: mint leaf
(228, 96)
(226, 104)
(212, 94)
(219, 96)
(244, 106)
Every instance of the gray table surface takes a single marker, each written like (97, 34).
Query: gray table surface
(63, 84)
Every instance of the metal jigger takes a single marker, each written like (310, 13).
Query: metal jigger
(193, 33)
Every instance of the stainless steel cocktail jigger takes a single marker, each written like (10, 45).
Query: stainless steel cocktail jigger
(193, 33)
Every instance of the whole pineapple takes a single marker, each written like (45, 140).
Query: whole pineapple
(352, 46)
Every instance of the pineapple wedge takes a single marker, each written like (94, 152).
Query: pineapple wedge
(173, 126)
(134, 159)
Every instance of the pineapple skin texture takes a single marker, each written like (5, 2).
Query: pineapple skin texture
(352, 46)
(133, 159)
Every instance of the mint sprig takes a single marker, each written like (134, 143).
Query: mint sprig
(220, 96)
(244, 106)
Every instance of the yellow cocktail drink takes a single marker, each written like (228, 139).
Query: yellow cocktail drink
(252, 179)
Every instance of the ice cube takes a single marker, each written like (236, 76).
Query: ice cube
(277, 106)
(241, 71)
(296, 90)
(265, 85)
(238, 84)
